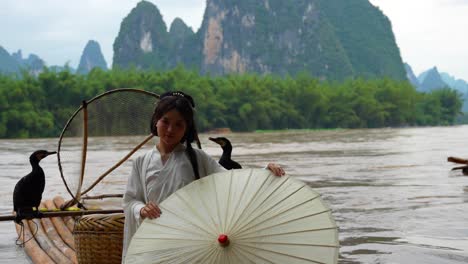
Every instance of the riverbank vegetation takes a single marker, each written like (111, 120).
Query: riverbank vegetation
(39, 106)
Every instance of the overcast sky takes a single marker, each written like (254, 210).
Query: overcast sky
(58, 30)
(429, 32)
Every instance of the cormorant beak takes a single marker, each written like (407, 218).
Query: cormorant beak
(47, 154)
(218, 141)
(213, 139)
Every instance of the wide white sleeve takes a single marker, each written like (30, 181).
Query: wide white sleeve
(133, 201)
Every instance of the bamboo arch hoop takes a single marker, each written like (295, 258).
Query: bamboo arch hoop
(84, 108)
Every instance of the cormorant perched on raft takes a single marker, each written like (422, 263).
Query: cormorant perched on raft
(225, 159)
(28, 190)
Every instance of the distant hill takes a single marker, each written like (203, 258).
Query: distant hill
(329, 39)
(422, 75)
(431, 80)
(33, 64)
(8, 64)
(458, 84)
(411, 76)
(91, 58)
(12, 64)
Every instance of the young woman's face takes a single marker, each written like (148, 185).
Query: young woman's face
(171, 128)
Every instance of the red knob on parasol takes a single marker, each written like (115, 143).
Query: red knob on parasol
(223, 240)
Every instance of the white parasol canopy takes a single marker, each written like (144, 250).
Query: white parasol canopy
(239, 216)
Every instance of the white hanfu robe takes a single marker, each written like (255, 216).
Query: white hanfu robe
(151, 180)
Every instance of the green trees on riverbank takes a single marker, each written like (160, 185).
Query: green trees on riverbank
(40, 106)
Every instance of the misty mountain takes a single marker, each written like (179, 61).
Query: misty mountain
(423, 75)
(8, 64)
(12, 64)
(33, 64)
(431, 80)
(91, 58)
(411, 76)
(329, 39)
(457, 84)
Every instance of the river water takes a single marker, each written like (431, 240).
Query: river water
(391, 191)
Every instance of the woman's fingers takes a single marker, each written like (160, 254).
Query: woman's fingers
(151, 210)
(276, 169)
(154, 207)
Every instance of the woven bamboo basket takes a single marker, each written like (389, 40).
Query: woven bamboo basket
(99, 238)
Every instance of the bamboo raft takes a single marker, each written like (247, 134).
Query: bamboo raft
(95, 238)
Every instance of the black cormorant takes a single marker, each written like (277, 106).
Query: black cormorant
(225, 159)
(28, 190)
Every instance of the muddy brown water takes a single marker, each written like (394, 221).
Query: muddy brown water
(392, 191)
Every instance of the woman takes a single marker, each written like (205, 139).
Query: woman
(170, 165)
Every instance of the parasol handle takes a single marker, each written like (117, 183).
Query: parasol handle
(223, 240)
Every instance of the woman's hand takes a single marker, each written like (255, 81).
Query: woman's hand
(276, 169)
(151, 211)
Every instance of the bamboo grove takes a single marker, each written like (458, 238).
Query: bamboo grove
(39, 106)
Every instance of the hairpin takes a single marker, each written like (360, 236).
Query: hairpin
(179, 94)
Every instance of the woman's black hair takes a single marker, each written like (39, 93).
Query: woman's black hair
(185, 105)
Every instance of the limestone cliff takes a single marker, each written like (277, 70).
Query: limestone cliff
(143, 39)
(183, 42)
(92, 57)
(270, 36)
(328, 39)
(367, 37)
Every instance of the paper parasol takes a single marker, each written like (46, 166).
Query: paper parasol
(239, 216)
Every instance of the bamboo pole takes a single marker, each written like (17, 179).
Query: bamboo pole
(84, 148)
(32, 248)
(68, 220)
(55, 237)
(75, 200)
(62, 214)
(46, 244)
(100, 197)
(118, 163)
(457, 160)
(62, 229)
(83, 151)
